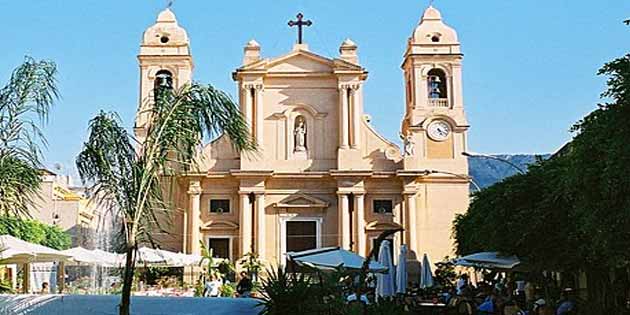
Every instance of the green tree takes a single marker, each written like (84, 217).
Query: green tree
(35, 232)
(24, 105)
(140, 182)
(570, 213)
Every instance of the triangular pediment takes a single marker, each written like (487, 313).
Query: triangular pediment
(300, 61)
(301, 201)
(219, 225)
(382, 226)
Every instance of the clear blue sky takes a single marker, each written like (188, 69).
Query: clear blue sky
(529, 66)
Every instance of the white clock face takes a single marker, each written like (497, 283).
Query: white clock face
(439, 130)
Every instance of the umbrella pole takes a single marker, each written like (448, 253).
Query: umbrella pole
(26, 277)
(61, 277)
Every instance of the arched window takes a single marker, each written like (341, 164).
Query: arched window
(163, 79)
(437, 84)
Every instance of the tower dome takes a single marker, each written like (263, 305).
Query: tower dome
(433, 31)
(165, 36)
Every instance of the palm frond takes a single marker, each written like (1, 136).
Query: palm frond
(24, 105)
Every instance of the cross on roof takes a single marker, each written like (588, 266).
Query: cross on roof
(300, 23)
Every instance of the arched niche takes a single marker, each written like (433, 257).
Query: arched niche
(314, 124)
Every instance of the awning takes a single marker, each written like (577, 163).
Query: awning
(488, 260)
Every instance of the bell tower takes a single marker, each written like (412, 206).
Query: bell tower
(164, 60)
(434, 127)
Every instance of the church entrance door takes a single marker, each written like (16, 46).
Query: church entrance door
(298, 233)
(301, 235)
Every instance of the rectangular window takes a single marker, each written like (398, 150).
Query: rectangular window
(220, 205)
(382, 206)
(220, 247)
(301, 235)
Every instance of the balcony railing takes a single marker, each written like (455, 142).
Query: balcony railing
(438, 102)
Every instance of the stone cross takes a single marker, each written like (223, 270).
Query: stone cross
(300, 23)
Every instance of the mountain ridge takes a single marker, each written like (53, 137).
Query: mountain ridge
(487, 171)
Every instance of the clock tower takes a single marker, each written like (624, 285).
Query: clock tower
(434, 127)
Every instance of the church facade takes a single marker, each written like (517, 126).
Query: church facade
(322, 176)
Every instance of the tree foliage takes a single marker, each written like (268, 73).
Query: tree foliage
(139, 181)
(35, 232)
(570, 212)
(24, 105)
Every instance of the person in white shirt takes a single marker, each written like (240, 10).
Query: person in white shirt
(212, 287)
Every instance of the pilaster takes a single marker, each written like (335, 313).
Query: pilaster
(359, 210)
(194, 193)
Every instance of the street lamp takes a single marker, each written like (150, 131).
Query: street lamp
(469, 154)
(462, 176)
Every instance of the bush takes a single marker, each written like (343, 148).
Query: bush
(227, 290)
(320, 293)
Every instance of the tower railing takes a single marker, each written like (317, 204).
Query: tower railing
(438, 102)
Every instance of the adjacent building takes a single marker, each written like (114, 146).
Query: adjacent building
(60, 204)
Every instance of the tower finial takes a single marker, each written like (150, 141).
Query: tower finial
(169, 4)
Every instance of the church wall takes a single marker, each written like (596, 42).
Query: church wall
(437, 205)
(173, 222)
(378, 153)
(286, 98)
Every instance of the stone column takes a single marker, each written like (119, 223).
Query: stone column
(259, 114)
(344, 221)
(410, 224)
(185, 232)
(247, 89)
(260, 225)
(359, 209)
(245, 224)
(194, 193)
(343, 117)
(355, 97)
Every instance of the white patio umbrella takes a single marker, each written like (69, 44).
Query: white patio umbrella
(385, 280)
(173, 259)
(401, 271)
(81, 255)
(17, 251)
(110, 259)
(330, 258)
(149, 256)
(488, 260)
(190, 259)
(426, 275)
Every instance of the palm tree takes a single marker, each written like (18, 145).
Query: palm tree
(138, 180)
(24, 105)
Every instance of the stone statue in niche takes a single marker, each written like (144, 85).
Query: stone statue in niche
(408, 149)
(299, 133)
